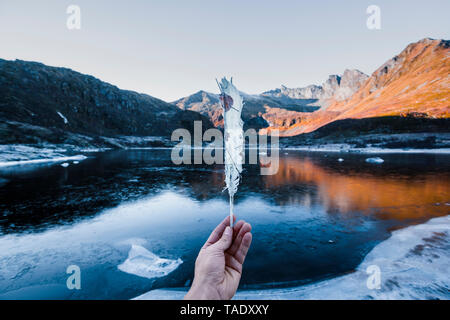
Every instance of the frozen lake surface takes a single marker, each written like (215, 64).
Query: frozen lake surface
(315, 220)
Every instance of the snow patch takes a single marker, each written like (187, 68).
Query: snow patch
(62, 117)
(16, 154)
(38, 161)
(93, 149)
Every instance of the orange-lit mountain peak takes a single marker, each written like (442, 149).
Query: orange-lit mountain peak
(416, 83)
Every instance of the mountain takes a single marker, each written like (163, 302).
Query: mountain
(39, 103)
(279, 107)
(335, 88)
(256, 107)
(415, 83)
(338, 87)
(205, 103)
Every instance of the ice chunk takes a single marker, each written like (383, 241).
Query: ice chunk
(374, 160)
(65, 164)
(144, 263)
(340, 159)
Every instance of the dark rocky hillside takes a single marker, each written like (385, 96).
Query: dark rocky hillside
(383, 132)
(36, 99)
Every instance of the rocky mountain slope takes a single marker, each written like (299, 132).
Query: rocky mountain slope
(281, 107)
(338, 87)
(415, 83)
(253, 114)
(39, 103)
(335, 88)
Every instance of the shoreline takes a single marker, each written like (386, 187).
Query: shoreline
(17, 155)
(344, 149)
(42, 161)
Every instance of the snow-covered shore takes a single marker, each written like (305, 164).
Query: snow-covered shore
(39, 161)
(348, 148)
(413, 263)
(18, 154)
(13, 155)
(373, 143)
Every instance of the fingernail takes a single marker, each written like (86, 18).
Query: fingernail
(228, 231)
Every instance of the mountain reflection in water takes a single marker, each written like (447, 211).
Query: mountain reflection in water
(346, 188)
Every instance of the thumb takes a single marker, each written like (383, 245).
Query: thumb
(225, 241)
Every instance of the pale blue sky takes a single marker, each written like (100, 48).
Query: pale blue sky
(170, 49)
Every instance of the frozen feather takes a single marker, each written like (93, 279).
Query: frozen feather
(232, 104)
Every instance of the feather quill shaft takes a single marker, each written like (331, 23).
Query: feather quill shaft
(232, 105)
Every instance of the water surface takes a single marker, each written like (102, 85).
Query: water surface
(316, 218)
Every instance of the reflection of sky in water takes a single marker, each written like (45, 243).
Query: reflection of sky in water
(316, 218)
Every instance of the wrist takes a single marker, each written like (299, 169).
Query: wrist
(202, 291)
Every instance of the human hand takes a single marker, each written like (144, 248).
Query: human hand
(218, 267)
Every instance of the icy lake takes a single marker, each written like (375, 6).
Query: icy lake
(133, 221)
